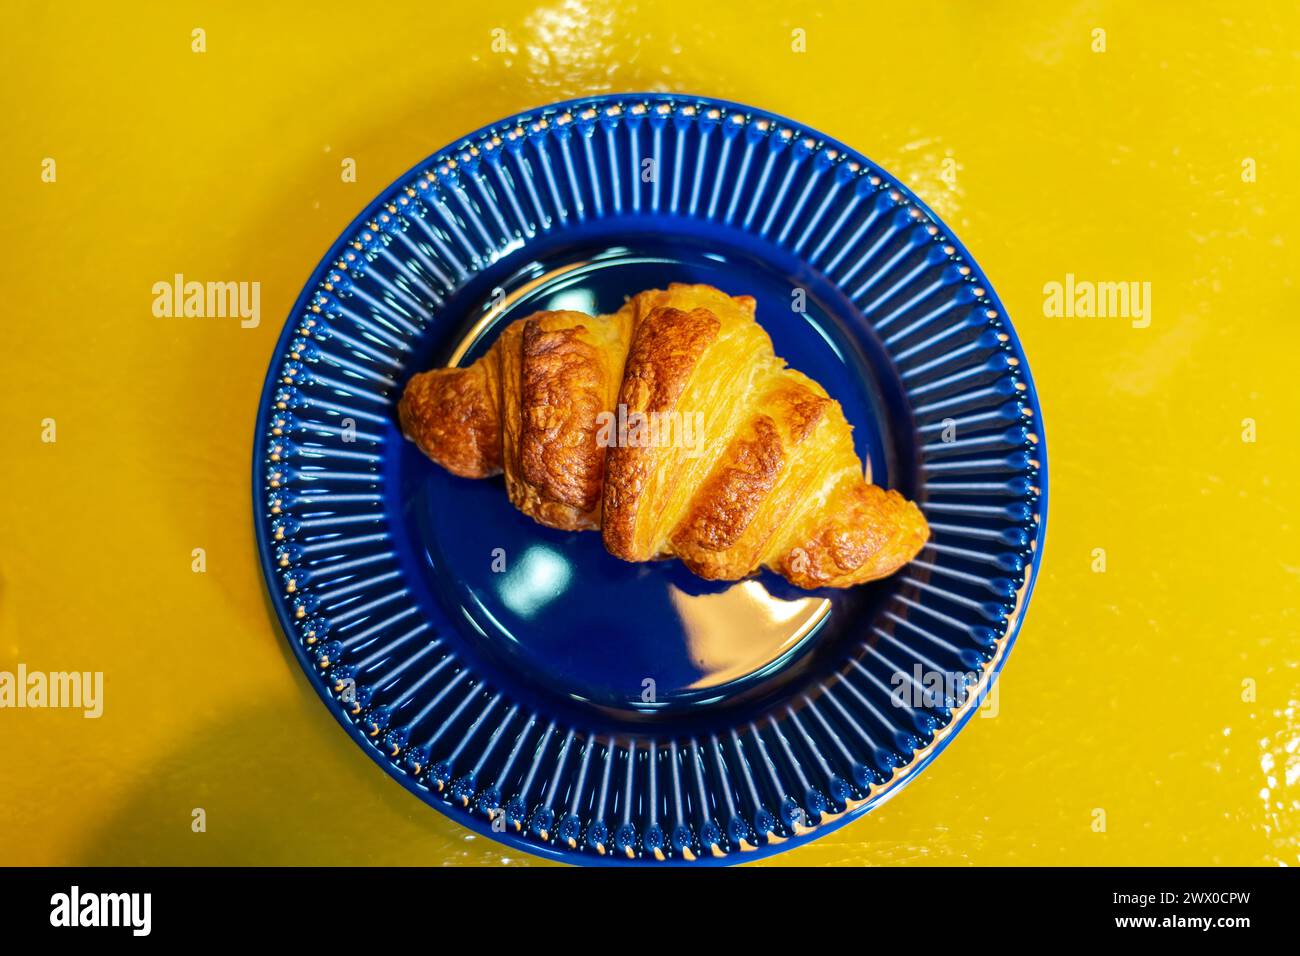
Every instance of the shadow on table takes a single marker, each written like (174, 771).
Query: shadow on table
(280, 783)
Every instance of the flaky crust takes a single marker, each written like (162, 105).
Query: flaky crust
(567, 376)
(865, 533)
(454, 416)
(755, 485)
(666, 349)
(749, 463)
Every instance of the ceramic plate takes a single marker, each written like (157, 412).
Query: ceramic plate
(521, 680)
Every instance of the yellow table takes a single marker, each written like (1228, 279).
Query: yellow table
(1158, 696)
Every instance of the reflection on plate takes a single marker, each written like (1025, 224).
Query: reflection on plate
(744, 629)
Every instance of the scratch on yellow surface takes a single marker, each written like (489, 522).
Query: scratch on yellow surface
(1162, 691)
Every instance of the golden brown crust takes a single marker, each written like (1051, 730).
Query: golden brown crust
(758, 481)
(509, 364)
(453, 416)
(800, 407)
(726, 503)
(863, 533)
(666, 347)
(564, 391)
(549, 432)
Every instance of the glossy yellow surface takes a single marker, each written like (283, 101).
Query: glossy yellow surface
(1162, 691)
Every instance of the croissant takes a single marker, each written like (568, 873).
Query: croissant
(673, 428)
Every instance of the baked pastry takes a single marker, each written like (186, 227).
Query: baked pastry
(673, 428)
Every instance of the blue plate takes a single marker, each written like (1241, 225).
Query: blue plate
(520, 679)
